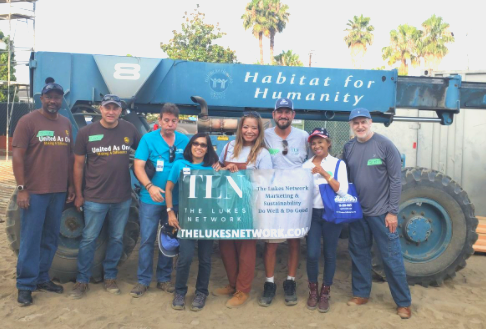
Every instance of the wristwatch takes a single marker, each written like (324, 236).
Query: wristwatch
(20, 188)
(170, 209)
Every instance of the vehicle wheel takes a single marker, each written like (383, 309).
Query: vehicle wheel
(437, 227)
(64, 264)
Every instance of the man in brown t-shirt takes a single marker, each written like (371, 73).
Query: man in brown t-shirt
(105, 146)
(42, 166)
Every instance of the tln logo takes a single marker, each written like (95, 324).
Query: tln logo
(218, 81)
(202, 186)
(346, 198)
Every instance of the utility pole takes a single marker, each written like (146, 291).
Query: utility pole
(310, 57)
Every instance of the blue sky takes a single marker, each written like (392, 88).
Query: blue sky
(137, 28)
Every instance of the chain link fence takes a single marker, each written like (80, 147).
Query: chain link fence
(338, 132)
(19, 109)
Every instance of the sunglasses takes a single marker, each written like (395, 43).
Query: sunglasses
(202, 145)
(285, 146)
(251, 114)
(111, 97)
(172, 150)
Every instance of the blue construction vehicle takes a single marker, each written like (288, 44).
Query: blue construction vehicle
(436, 220)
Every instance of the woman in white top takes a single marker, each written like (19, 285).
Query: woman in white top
(323, 166)
(247, 151)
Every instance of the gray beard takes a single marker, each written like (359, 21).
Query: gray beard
(52, 111)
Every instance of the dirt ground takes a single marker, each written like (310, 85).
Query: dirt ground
(459, 303)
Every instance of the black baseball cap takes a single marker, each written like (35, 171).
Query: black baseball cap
(111, 98)
(52, 86)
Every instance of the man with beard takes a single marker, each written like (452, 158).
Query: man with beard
(289, 148)
(42, 166)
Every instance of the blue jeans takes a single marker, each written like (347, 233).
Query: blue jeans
(150, 216)
(361, 234)
(94, 218)
(186, 252)
(39, 234)
(330, 233)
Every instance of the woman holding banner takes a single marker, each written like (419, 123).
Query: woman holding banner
(323, 166)
(247, 151)
(198, 154)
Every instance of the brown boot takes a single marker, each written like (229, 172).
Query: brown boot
(313, 295)
(224, 291)
(324, 299)
(404, 312)
(239, 298)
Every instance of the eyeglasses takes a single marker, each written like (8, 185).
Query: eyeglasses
(172, 150)
(251, 114)
(201, 145)
(285, 146)
(111, 97)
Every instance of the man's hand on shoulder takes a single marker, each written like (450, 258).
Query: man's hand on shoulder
(391, 221)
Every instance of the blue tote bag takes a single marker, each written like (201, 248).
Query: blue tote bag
(339, 209)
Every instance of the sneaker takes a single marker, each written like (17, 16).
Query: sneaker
(239, 298)
(178, 303)
(290, 294)
(198, 302)
(138, 290)
(25, 297)
(404, 312)
(111, 286)
(269, 290)
(356, 301)
(224, 291)
(50, 287)
(166, 286)
(79, 290)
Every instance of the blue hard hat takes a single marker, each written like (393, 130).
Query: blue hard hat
(167, 240)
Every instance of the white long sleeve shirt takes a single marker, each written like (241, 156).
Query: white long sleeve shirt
(329, 165)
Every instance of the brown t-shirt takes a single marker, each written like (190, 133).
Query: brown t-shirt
(49, 146)
(106, 173)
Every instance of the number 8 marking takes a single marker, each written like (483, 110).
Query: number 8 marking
(126, 71)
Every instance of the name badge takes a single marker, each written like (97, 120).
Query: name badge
(186, 171)
(160, 165)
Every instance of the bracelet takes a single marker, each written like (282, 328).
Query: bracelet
(148, 186)
(330, 179)
(149, 183)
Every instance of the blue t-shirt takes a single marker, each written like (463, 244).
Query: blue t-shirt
(176, 170)
(154, 147)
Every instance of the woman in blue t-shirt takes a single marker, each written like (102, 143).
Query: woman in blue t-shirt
(198, 154)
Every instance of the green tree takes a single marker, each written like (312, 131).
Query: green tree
(436, 36)
(288, 58)
(358, 38)
(4, 68)
(403, 48)
(254, 18)
(277, 20)
(195, 42)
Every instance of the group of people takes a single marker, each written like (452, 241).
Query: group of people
(50, 169)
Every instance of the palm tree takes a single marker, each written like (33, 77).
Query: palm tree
(435, 38)
(255, 19)
(277, 20)
(288, 58)
(403, 47)
(358, 38)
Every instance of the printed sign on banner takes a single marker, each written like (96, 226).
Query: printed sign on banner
(248, 204)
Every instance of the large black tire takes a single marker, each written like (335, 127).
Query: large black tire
(64, 265)
(433, 201)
